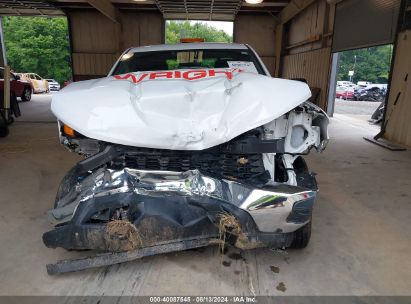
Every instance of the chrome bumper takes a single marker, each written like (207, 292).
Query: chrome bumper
(274, 208)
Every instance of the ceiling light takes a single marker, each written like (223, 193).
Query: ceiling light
(254, 1)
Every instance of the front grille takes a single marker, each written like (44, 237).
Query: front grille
(237, 166)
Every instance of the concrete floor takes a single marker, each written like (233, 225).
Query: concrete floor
(352, 107)
(37, 110)
(360, 243)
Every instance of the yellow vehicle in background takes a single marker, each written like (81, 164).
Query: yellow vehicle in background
(38, 84)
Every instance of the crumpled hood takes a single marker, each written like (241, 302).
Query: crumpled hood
(175, 112)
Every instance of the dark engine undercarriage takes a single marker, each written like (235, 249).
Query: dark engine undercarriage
(141, 217)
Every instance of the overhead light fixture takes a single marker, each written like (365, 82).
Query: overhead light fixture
(139, 0)
(254, 1)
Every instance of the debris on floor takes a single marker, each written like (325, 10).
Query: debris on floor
(275, 269)
(226, 263)
(280, 251)
(235, 256)
(281, 287)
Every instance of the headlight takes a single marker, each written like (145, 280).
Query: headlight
(69, 132)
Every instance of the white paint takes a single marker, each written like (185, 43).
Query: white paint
(175, 113)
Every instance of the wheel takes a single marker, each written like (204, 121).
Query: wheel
(26, 96)
(302, 236)
(4, 130)
(67, 183)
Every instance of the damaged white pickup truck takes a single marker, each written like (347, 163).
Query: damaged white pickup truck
(185, 146)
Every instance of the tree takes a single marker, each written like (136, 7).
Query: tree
(38, 45)
(369, 64)
(184, 29)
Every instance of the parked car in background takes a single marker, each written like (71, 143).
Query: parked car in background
(344, 93)
(344, 83)
(18, 87)
(363, 83)
(382, 86)
(53, 85)
(370, 93)
(38, 84)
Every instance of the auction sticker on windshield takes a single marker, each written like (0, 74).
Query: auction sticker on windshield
(246, 66)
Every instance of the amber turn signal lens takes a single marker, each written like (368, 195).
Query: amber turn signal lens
(68, 131)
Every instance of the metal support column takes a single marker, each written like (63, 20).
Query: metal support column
(332, 84)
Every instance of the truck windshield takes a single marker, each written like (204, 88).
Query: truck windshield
(188, 59)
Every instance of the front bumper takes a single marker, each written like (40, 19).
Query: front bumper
(163, 206)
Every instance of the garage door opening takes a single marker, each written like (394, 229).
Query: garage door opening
(38, 53)
(360, 83)
(209, 31)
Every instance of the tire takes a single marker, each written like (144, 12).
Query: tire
(26, 96)
(378, 113)
(67, 183)
(4, 129)
(302, 237)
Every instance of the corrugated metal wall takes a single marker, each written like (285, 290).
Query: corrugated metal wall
(308, 48)
(306, 30)
(398, 128)
(313, 66)
(92, 64)
(258, 31)
(97, 41)
(363, 23)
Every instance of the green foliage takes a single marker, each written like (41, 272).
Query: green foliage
(372, 64)
(38, 45)
(184, 29)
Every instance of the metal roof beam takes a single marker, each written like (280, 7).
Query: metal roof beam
(106, 8)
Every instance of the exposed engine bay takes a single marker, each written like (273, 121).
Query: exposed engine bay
(264, 154)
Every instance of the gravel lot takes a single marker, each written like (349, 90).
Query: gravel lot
(352, 107)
